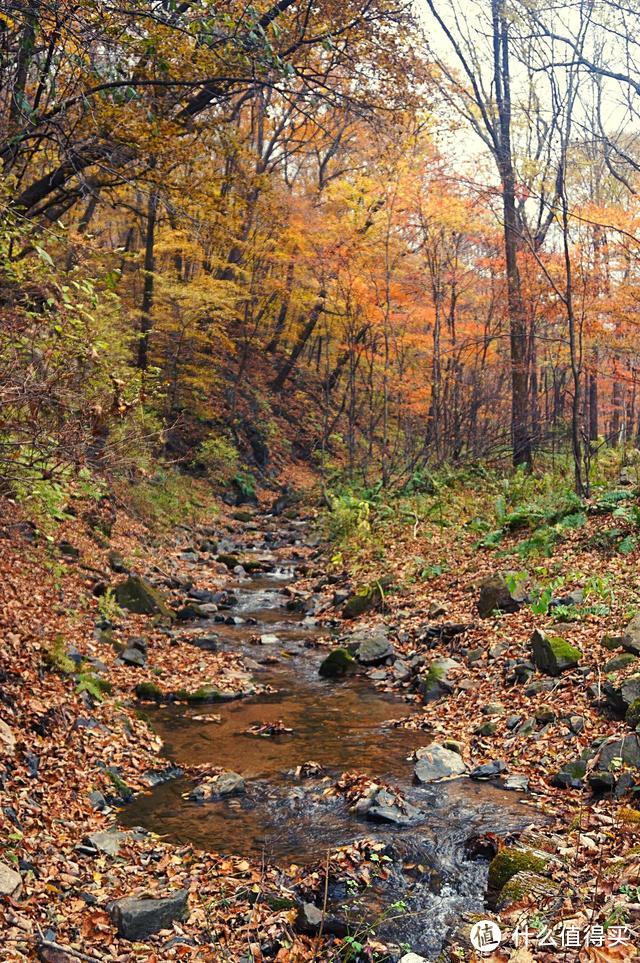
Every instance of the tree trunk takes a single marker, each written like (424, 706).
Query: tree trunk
(147, 293)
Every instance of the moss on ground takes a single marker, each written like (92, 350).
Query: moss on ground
(510, 861)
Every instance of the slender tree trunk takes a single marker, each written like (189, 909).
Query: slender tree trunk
(146, 322)
(520, 428)
(284, 309)
(288, 366)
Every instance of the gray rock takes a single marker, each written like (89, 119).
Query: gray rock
(137, 919)
(619, 662)
(513, 722)
(516, 782)
(572, 598)
(434, 762)
(108, 842)
(201, 595)
(117, 563)
(474, 656)
(552, 654)
(571, 774)
(310, 919)
(627, 749)
(489, 770)
(134, 657)
(486, 729)
(630, 690)
(401, 671)
(540, 685)
(138, 595)
(436, 683)
(497, 650)
(10, 880)
(495, 595)
(97, 800)
(630, 639)
(225, 784)
(412, 958)
(576, 724)
(387, 808)
(191, 612)
(527, 727)
(373, 646)
(268, 638)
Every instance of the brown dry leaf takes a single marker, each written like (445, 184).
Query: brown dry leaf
(609, 954)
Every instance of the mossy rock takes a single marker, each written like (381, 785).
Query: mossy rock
(619, 662)
(231, 561)
(149, 692)
(138, 595)
(553, 654)
(453, 745)
(526, 883)
(612, 642)
(487, 729)
(632, 718)
(242, 516)
(434, 684)
(205, 693)
(366, 599)
(120, 786)
(337, 664)
(510, 861)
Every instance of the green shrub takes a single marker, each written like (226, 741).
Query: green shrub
(220, 459)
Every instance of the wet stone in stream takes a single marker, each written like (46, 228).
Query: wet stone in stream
(341, 726)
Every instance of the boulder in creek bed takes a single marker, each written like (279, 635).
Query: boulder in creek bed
(137, 919)
(337, 664)
(553, 654)
(10, 881)
(224, 784)
(516, 782)
(138, 595)
(495, 595)
(371, 646)
(382, 806)
(434, 763)
(192, 611)
(488, 770)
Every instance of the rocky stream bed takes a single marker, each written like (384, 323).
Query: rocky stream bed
(289, 743)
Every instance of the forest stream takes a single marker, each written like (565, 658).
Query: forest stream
(343, 726)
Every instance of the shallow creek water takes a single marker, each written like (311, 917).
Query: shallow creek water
(343, 726)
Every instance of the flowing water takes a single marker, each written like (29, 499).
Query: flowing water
(342, 726)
